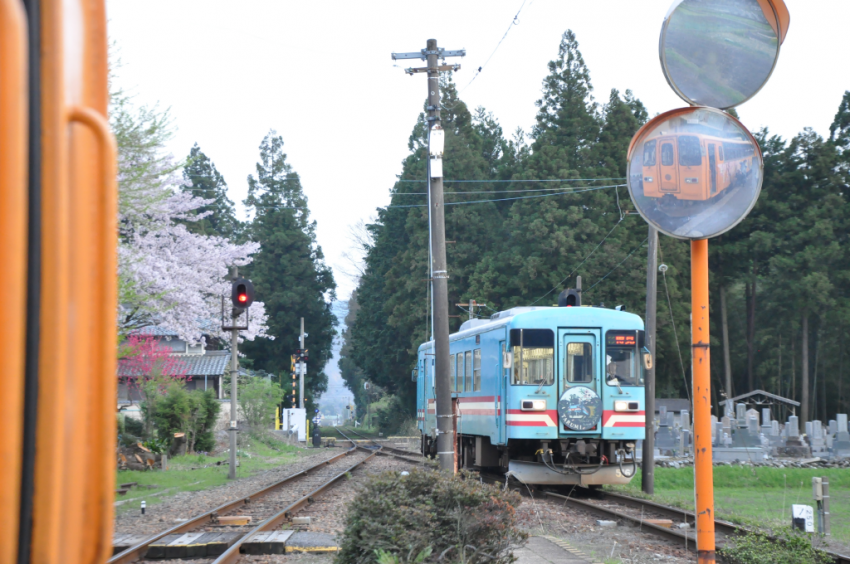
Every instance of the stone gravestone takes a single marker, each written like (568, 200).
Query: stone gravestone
(765, 421)
(666, 440)
(817, 441)
(794, 444)
(685, 443)
(741, 414)
(841, 445)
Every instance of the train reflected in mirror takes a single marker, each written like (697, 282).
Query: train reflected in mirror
(694, 172)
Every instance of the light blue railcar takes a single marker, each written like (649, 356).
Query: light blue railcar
(554, 395)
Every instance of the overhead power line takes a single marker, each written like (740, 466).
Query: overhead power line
(521, 180)
(584, 260)
(500, 199)
(619, 265)
(514, 21)
(576, 188)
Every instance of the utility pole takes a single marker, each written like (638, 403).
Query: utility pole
(301, 369)
(234, 378)
(472, 305)
(437, 221)
(648, 462)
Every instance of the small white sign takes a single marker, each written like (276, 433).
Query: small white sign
(804, 512)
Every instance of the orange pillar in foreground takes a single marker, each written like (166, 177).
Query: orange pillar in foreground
(704, 472)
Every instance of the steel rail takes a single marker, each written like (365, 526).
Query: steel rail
(384, 447)
(231, 555)
(727, 528)
(724, 527)
(669, 534)
(137, 552)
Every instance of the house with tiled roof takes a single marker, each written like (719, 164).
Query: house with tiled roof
(204, 369)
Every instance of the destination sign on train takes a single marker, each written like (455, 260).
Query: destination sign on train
(621, 339)
(694, 173)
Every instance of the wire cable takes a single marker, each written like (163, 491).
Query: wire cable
(567, 277)
(495, 200)
(619, 265)
(515, 191)
(519, 180)
(514, 21)
(676, 337)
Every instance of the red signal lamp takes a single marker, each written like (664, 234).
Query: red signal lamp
(242, 293)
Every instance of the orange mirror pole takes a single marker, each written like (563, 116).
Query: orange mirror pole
(704, 472)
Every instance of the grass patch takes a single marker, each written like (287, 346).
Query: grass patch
(754, 496)
(155, 486)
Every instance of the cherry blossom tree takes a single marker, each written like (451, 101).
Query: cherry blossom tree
(149, 368)
(168, 276)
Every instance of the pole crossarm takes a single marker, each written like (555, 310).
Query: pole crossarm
(428, 69)
(423, 54)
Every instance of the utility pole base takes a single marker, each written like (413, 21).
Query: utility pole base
(705, 556)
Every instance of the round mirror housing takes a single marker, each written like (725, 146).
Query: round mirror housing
(720, 53)
(694, 173)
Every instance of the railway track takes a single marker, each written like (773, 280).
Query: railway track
(208, 536)
(385, 450)
(636, 511)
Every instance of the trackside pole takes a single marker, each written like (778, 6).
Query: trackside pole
(704, 473)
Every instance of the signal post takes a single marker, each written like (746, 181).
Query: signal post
(241, 298)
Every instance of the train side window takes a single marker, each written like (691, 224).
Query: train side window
(720, 153)
(689, 151)
(467, 381)
(453, 364)
(649, 153)
(476, 371)
(533, 357)
(666, 154)
(579, 362)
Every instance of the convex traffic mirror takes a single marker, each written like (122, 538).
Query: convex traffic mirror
(694, 173)
(720, 53)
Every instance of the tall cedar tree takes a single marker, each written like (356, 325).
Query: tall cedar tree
(289, 272)
(203, 180)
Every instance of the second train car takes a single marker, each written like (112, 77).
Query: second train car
(553, 395)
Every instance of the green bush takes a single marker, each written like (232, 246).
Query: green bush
(429, 516)
(134, 426)
(191, 412)
(758, 548)
(259, 398)
(391, 418)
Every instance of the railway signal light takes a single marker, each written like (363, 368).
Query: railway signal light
(242, 293)
(570, 298)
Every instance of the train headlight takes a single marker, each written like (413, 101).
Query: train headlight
(691, 181)
(533, 405)
(647, 179)
(626, 406)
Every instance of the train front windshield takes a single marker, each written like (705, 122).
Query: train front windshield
(623, 367)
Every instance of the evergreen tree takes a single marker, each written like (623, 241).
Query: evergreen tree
(289, 272)
(202, 180)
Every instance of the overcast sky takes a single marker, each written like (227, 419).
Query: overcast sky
(320, 73)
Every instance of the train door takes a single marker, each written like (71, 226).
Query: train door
(668, 171)
(712, 168)
(501, 391)
(579, 381)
